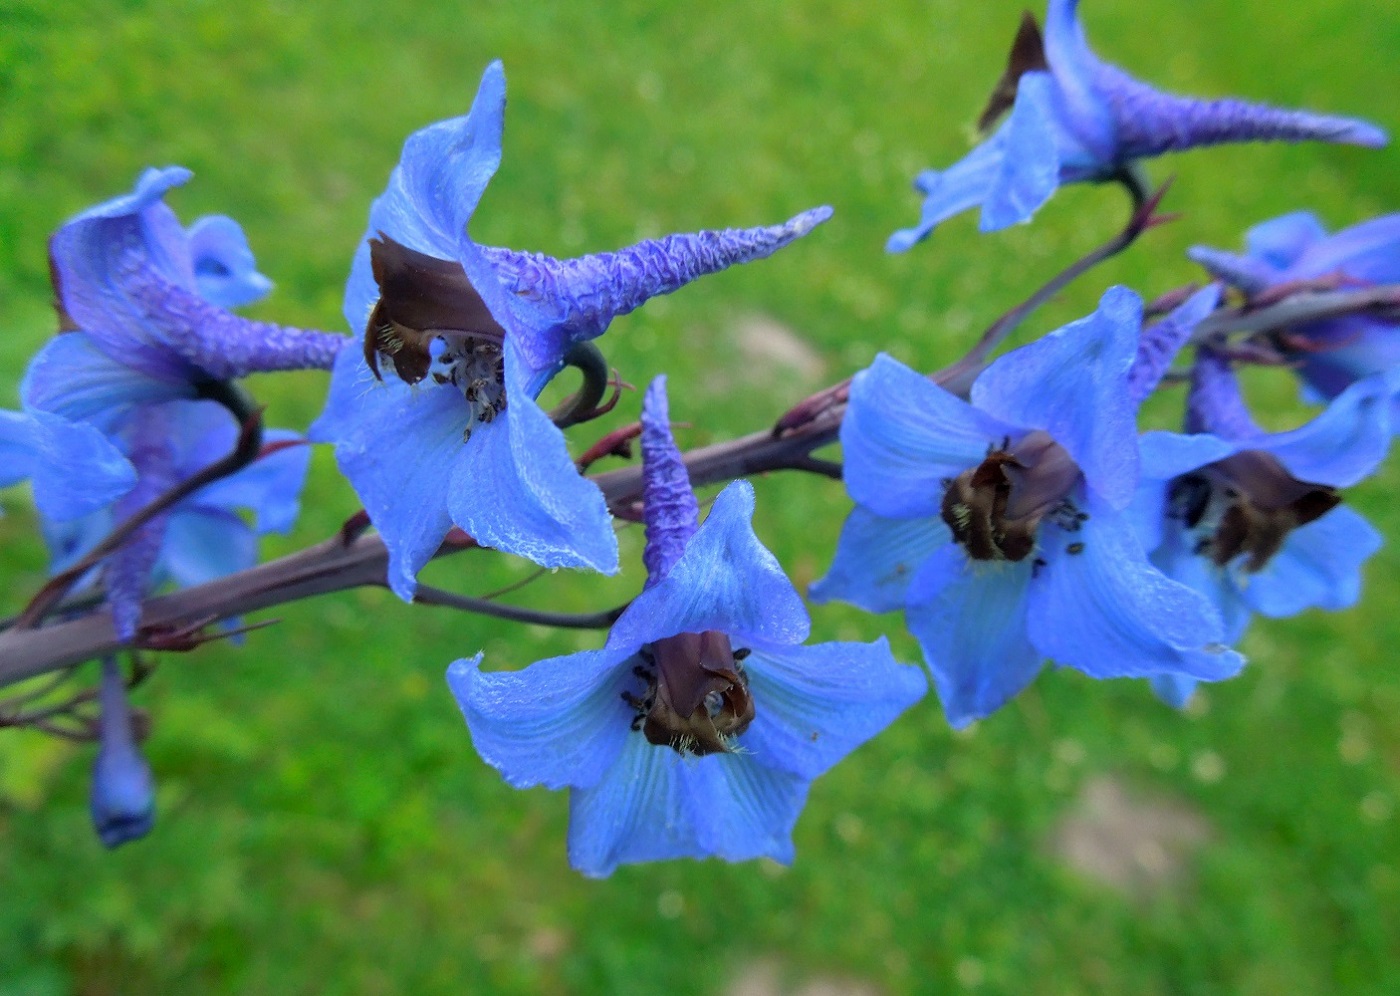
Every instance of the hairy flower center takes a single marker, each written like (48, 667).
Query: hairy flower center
(696, 698)
(1246, 504)
(995, 509)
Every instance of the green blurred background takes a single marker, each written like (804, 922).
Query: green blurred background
(324, 825)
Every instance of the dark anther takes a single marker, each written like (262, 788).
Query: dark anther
(1075, 549)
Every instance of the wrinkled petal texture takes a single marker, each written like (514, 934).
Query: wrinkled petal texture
(1159, 343)
(669, 509)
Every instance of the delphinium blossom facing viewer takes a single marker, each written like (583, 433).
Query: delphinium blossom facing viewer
(998, 523)
(143, 335)
(1295, 249)
(698, 728)
(1075, 118)
(435, 420)
(1255, 522)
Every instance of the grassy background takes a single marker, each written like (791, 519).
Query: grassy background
(324, 823)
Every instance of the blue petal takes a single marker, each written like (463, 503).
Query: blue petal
(1073, 384)
(1077, 70)
(1097, 605)
(1369, 251)
(903, 435)
(1244, 272)
(1164, 456)
(522, 493)
(669, 509)
(399, 456)
(225, 272)
(1176, 557)
(1159, 343)
(655, 805)
(269, 487)
(876, 559)
(74, 379)
(559, 722)
(204, 544)
(726, 580)
(958, 188)
(1280, 241)
(1318, 566)
(1174, 689)
(442, 173)
(814, 705)
(123, 792)
(1030, 167)
(1346, 442)
(75, 468)
(970, 621)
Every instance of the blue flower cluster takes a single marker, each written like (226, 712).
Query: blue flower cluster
(1016, 519)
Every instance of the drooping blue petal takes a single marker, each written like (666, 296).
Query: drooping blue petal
(551, 303)
(1177, 557)
(559, 722)
(876, 559)
(75, 468)
(1159, 343)
(1030, 166)
(814, 705)
(1174, 689)
(655, 805)
(519, 491)
(398, 457)
(1098, 606)
(669, 508)
(1318, 566)
(74, 379)
(1073, 384)
(123, 801)
(1345, 443)
(903, 435)
(202, 544)
(726, 580)
(970, 621)
(960, 187)
(1281, 241)
(224, 269)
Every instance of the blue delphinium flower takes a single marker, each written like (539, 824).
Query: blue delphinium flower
(139, 342)
(200, 538)
(1075, 118)
(123, 800)
(1253, 520)
(699, 726)
(74, 467)
(999, 526)
(435, 422)
(1331, 354)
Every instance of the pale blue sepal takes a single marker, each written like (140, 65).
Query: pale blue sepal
(876, 559)
(1030, 165)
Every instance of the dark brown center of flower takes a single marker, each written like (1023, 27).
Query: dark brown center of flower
(1246, 505)
(995, 508)
(697, 697)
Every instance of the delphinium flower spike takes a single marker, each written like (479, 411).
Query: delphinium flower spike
(1253, 520)
(1295, 249)
(1076, 118)
(435, 420)
(123, 797)
(998, 523)
(699, 726)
